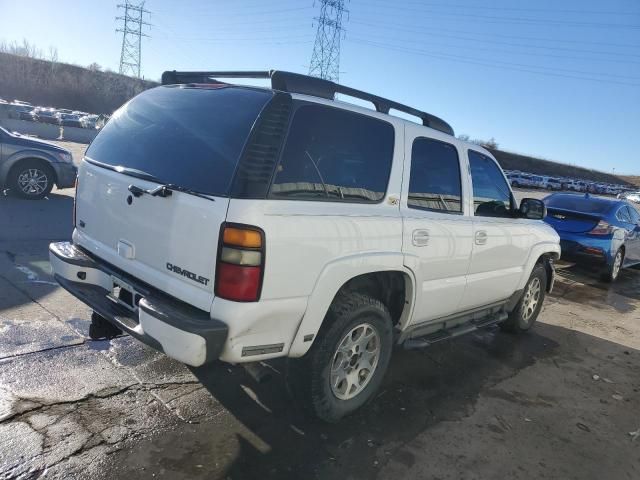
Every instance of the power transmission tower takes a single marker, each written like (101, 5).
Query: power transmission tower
(325, 60)
(132, 23)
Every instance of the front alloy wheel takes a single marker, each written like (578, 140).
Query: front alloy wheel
(31, 180)
(524, 315)
(531, 299)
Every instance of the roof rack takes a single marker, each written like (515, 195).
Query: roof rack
(307, 85)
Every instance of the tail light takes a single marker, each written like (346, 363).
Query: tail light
(603, 228)
(240, 264)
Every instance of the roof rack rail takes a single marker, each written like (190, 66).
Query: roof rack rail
(307, 85)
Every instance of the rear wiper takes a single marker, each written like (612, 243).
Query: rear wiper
(162, 190)
(165, 190)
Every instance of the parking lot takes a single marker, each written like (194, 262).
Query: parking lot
(560, 402)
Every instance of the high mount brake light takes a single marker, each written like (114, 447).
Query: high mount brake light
(240, 263)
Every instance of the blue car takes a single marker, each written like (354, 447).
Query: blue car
(597, 231)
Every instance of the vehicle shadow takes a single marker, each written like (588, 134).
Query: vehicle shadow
(582, 284)
(423, 387)
(26, 229)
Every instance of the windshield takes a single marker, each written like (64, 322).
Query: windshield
(579, 203)
(192, 137)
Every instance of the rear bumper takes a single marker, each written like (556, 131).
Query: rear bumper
(586, 250)
(180, 330)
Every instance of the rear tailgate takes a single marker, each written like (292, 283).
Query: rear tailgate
(190, 137)
(169, 243)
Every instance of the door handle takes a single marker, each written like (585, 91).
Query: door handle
(420, 238)
(481, 237)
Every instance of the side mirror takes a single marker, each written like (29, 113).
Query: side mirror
(533, 209)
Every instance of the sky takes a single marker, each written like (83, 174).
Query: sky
(558, 79)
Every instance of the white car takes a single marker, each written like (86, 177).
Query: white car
(89, 121)
(550, 183)
(518, 180)
(631, 196)
(241, 224)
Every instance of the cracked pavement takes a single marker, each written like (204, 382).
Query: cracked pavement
(562, 402)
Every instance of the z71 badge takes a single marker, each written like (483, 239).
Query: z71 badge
(186, 273)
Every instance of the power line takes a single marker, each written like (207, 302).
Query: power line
(505, 20)
(325, 59)
(131, 52)
(505, 65)
(429, 32)
(624, 57)
(515, 9)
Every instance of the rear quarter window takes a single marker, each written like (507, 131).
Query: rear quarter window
(192, 137)
(334, 155)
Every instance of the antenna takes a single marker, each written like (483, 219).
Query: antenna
(132, 22)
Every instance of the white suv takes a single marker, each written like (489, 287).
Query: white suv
(217, 221)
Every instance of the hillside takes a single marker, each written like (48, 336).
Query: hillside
(61, 85)
(632, 179)
(524, 163)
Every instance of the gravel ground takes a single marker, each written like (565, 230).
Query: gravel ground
(561, 402)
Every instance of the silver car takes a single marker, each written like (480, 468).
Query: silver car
(30, 167)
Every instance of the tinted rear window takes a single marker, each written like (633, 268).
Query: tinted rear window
(192, 137)
(578, 203)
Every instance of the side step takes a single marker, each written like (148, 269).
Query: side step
(458, 330)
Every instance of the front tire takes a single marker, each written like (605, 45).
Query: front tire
(347, 362)
(524, 316)
(613, 271)
(31, 179)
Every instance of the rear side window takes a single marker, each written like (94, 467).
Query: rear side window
(635, 216)
(435, 177)
(491, 194)
(192, 137)
(334, 155)
(624, 215)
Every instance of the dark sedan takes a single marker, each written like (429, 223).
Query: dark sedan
(596, 230)
(20, 112)
(30, 167)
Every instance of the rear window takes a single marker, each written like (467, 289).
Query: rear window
(578, 203)
(335, 155)
(192, 137)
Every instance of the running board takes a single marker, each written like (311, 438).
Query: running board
(458, 330)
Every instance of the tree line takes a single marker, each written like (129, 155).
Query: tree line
(28, 74)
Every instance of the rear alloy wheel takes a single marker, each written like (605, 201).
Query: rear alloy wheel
(31, 180)
(613, 270)
(347, 361)
(523, 317)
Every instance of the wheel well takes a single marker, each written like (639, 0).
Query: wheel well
(41, 161)
(389, 287)
(547, 260)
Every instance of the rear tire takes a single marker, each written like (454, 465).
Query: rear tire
(31, 179)
(524, 316)
(612, 272)
(346, 364)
